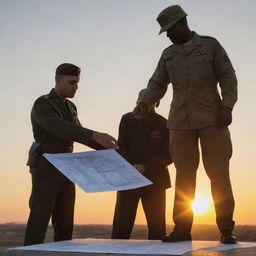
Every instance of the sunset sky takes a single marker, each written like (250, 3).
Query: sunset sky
(117, 46)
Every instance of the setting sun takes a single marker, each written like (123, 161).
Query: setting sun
(200, 205)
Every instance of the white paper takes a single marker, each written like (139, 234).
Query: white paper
(133, 246)
(98, 171)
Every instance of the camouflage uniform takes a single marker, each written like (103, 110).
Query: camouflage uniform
(143, 142)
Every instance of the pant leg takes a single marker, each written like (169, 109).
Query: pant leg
(63, 212)
(185, 155)
(216, 153)
(153, 202)
(42, 200)
(125, 213)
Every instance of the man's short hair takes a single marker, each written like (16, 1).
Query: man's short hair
(68, 69)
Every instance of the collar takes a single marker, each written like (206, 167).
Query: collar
(55, 96)
(190, 46)
(64, 105)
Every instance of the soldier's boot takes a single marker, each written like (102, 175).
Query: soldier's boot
(228, 238)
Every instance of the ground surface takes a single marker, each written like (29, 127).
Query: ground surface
(11, 235)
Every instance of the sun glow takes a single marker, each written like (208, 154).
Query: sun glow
(200, 205)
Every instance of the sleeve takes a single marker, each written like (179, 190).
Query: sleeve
(95, 145)
(122, 139)
(45, 115)
(92, 144)
(226, 76)
(163, 159)
(157, 85)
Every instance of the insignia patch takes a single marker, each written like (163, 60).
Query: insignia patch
(155, 134)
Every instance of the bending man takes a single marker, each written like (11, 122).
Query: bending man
(195, 65)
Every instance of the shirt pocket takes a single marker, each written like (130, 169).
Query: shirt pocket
(203, 66)
(202, 58)
(209, 100)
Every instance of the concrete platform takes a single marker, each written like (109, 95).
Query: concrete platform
(102, 247)
(235, 252)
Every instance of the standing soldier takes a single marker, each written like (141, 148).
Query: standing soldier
(143, 142)
(194, 65)
(55, 127)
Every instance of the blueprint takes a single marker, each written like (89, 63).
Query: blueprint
(134, 247)
(98, 171)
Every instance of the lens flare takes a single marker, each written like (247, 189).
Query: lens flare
(200, 205)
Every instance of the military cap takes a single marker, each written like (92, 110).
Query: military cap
(68, 69)
(169, 16)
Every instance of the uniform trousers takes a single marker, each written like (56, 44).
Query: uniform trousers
(153, 202)
(216, 149)
(50, 198)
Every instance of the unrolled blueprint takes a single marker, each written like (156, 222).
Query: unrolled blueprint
(98, 171)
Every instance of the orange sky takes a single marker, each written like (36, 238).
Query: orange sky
(117, 59)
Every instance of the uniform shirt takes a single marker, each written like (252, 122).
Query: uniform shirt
(146, 142)
(55, 127)
(55, 124)
(194, 69)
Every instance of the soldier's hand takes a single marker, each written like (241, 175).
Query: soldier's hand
(140, 111)
(140, 167)
(225, 117)
(105, 140)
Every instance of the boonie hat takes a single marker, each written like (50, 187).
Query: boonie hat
(169, 16)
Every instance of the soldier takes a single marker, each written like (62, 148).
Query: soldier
(55, 127)
(143, 142)
(195, 64)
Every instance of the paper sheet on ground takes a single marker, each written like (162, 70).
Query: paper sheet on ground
(98, 171)
(133, 246)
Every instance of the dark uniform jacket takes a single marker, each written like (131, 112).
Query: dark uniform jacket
(146, 142)
(55, 127)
